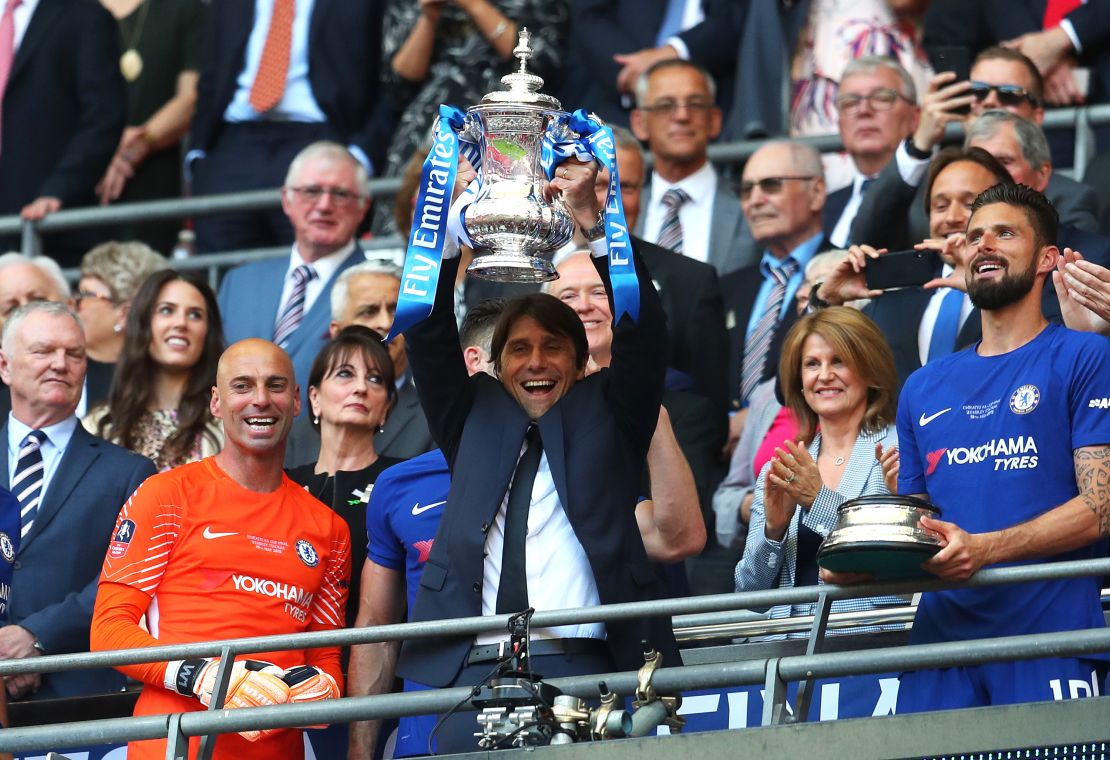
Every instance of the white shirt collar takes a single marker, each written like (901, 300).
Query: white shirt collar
(325, 267)
(58, 434)
(701, 186)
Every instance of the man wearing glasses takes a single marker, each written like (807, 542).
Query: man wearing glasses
(782, 194)
(877, 108)
(1001, 78)
(688, 208)
(288, 301)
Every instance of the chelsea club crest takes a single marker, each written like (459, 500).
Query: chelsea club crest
(7, 548)
(307, 553)
(1025, 399)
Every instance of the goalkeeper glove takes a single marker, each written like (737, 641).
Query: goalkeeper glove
(310, 684)
(253, 684)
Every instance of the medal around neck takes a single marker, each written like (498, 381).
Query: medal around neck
(131, 64)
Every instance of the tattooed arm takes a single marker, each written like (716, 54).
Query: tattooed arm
(1075, 523)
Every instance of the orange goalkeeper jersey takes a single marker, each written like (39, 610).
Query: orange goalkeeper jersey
(207, 559)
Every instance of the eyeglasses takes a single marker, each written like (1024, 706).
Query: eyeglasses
(82, 295)
(768, 185)
(882, 99)
(313, 193)
(1008, 94)
(669, 107)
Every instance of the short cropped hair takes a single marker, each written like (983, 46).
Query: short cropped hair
(999, 53)
(868, 64)
(15, 319)
(953, 155)
(342, 286)
(860, 345)
(47, 265)
(122, 267)
(479, 323)
(334, 151)
(672, 63)
(1039, 211)
(551, 314)
(1030, 136)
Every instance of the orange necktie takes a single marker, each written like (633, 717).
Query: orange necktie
(1056, 10)
(269, 82)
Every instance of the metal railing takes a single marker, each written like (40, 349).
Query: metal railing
(1082, 120)
(774, 673)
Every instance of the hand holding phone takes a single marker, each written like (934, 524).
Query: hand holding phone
(902, 269)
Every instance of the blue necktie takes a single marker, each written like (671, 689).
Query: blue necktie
(27, 480)
(672, 22)
(947, 326)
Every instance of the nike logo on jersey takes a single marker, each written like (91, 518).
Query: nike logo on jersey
(923, 420)
(417, 509)
(209, 533)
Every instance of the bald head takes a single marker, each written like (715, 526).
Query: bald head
(256, 397)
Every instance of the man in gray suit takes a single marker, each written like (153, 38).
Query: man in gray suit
(688, 207)
(287, 300)
(70, 486)
(366, 294)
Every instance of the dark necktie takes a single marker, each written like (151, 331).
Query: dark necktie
(512, 589)
(293, 312)
(27, 480)
(947, 326)
(670, 233)
(759, 342)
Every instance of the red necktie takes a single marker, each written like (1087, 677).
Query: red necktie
(7, 46)
(269, 81)
(1055, 10)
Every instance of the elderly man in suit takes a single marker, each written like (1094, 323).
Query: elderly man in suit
(564, 534)
(366, 294)
(63, 110)
(287, 300)
(70, 486)
(688, 208)
(257, 108)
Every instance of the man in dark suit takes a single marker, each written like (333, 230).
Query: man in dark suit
(613, 43)
(366, 294)
(63, 110)
(877, 105)
(893, 216)
(246, 129)
(592, 432)
(782, 194)
(325, 197)
(688, 207)
(70, 486)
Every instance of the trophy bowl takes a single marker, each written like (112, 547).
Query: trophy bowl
(514, 229)
(880, 535)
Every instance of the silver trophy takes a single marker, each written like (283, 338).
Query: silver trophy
(509, 222)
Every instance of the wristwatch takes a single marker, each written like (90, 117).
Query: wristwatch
(597, 232)
(916, 152)
(816, 302)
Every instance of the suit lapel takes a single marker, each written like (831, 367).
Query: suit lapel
(551, 430)
(315, 322)
(41, 23)
(723, 228)
(315, 24)
(5, 476)
(78, 457)
(402, 415)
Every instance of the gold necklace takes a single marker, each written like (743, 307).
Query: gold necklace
(131, 63)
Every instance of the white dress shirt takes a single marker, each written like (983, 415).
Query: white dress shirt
(692, 15)
(58, 437)
(839, 236)
(929, 318)
(696, 214)
(559, 573)
(325, 267)
(21, 19)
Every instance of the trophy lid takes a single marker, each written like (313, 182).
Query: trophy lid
(522, 87)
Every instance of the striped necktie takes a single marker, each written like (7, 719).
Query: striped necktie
(670, 234)
(759, 342)
(27, 480)
(293, 312)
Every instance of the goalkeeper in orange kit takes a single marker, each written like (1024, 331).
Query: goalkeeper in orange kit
(225, 548)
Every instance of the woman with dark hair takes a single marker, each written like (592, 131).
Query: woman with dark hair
(351, 389)
(837, 377)
(158, 404)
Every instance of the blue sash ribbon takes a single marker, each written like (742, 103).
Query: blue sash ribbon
(596, 142)
(424, 255)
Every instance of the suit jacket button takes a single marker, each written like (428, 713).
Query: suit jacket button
(485, 527)
(476, 588)
(17, 565)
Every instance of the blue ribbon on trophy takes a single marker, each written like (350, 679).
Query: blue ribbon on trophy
(424, 255)
(595, 141)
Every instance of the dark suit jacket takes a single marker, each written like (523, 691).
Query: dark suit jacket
(249, 299)
(697, 424)
(59, 561)
(64, 106)
(344, 52)
(600, 28)
(892, 214)
(978, 25)
(596, 438)
(835, 204)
